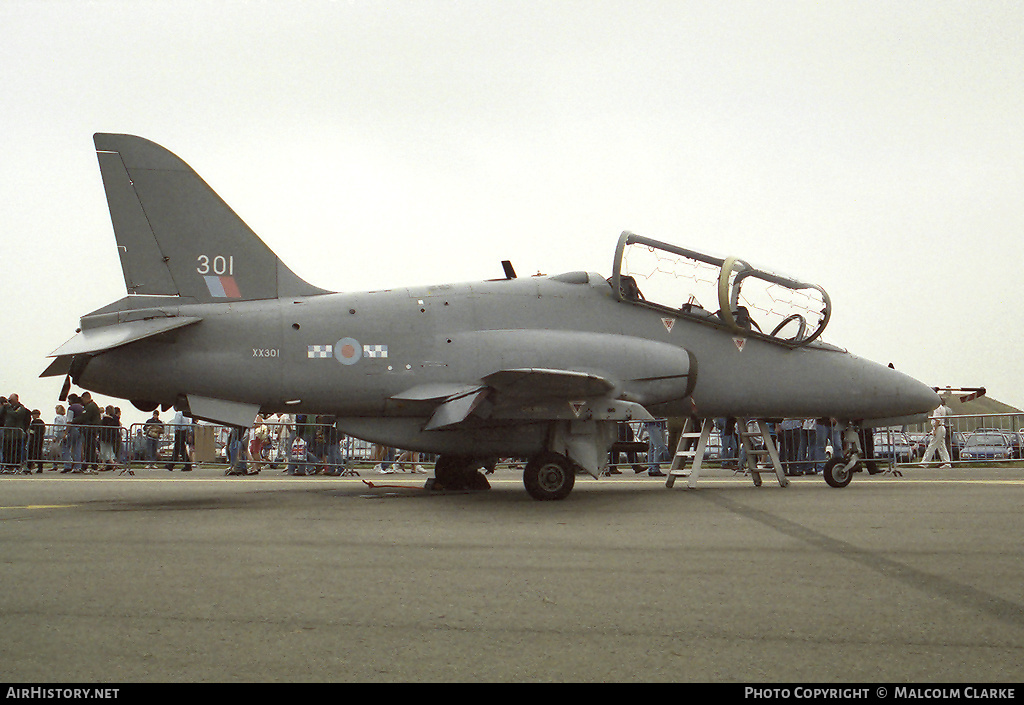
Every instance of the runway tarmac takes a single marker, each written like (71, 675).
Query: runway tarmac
(204, 578)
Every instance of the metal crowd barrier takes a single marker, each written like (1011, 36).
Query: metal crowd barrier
(300, 449)
(890, 447)
(13, 449)
(319, 448)
(313, 448)
(71, 447)
(965, 431)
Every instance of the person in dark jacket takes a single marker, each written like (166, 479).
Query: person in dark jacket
(3, 412)
(36, 436)
(89, 423)
(16, 421)
(109, 435)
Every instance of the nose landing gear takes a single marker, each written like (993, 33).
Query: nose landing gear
(838, 471)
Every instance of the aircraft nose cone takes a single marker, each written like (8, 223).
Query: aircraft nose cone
(909, 397)
(913, 396)
(880, 392)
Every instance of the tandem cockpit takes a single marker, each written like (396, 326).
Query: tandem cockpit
(723, 292)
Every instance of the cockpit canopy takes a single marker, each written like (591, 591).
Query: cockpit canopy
(725, 292)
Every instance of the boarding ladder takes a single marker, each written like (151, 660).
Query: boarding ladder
(689, 455)
(690, 451)
(768, 454)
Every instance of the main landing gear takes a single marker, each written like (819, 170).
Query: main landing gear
(459, 472)
(548, 475)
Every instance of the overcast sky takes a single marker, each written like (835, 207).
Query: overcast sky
(874, 148)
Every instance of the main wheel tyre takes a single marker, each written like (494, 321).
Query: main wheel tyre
(835, 474)
(458, 472)
(446, 471)
(549, 476)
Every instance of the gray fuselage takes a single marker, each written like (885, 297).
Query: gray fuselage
(349, 355)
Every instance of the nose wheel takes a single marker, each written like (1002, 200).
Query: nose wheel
(838, 471)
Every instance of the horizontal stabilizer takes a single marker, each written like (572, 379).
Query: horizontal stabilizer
(94, 340)
(59, 367)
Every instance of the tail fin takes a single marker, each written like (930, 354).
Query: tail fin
(175, 235)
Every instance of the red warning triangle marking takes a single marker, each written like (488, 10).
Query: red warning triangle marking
(577, 406)
(740, 342)
(668, 322)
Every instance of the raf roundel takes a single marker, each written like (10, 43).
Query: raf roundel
(348, 351)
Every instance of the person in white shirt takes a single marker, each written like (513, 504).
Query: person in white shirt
(938, 441)
(182, 426)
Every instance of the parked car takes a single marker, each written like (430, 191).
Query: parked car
(1012, 436)
(986, 446)
(894, 445)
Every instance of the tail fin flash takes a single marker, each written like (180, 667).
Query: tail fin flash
(175, 235)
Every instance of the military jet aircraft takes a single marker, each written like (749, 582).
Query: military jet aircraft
(542, 368)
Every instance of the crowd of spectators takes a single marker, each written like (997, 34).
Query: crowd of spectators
(82, 438)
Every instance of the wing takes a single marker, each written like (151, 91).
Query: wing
(94, 340)
(524, 395)
(533, 383)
